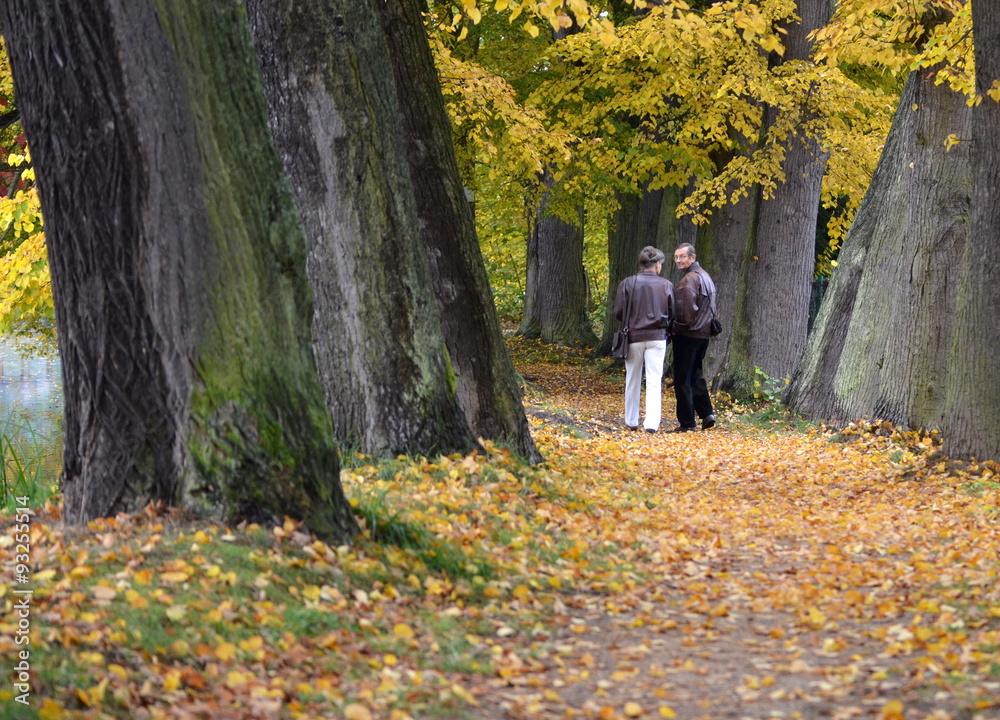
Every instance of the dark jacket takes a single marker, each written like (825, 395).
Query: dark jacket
(694, 299)
(652, 306)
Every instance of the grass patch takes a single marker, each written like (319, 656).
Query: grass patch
(31, 463)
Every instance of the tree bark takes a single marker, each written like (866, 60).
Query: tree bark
(388, 376)
(780, 261)
(973, 401)
(720, 245)
(178, 265)
(486, 380)
(556, 291)
(634, 225)
(881, 342)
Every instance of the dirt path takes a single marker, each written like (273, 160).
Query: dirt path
(777, 576)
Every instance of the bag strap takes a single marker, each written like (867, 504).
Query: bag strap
(628, 303)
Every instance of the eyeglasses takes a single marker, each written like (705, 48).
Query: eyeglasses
(681, 257)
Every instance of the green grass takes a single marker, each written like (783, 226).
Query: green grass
(31, 463)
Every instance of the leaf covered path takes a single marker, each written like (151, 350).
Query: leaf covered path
(751, 571)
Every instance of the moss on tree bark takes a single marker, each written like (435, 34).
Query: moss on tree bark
(178, 265)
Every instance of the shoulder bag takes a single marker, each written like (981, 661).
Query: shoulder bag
(619, 346)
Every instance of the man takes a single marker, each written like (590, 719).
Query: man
(644, 303)
(694, 309)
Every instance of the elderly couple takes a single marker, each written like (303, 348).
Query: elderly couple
(655, 310)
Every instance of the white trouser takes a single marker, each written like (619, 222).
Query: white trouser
(650, 352)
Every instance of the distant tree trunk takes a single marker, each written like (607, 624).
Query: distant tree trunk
(781, 259)
(634, 225)
(486, 380)
(880, 345)
(555, 304)
(389, 382)
(178, 265)
(720, 245)
(973, 402)
(556, 292)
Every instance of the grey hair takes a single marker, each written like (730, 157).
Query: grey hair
(688, 249)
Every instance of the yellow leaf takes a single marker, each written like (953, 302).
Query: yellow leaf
(667, 712)
(893, 710)
(356, 711)
(174, 577)
(633, 709)
(180, 648)
(816, 618)
(235, 678)
(403, 631)
(994, 91)
(531, 29)
(51, 710)
(144, 577)
(201, 537)
(464, 694)
(252, 644)
(177, 612)
(225, 651)
(522, 592)
(94, 695)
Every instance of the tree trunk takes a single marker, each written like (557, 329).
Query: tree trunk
(780, 262)
(556, 291)
(389, 381)
(973, 402)
(634, 225)
(555, 294)
(719, 246)
(487, 387)
(178, 265)
(880, 345)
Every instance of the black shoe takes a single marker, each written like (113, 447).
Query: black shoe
(651, 430)
(682, 428)
(633, 428)
(708, 422)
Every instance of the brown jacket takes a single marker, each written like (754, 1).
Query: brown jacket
(694, 298)
(652, 306)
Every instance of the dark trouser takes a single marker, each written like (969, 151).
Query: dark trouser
(689, 379)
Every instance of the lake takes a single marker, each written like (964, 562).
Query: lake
(31, 427)
(30, 390)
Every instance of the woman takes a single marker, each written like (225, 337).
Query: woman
(649, 301)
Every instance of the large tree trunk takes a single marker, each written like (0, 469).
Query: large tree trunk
(720, 246)
(555, 294)
(178, 265)
(780, 261)
(335, 116)
(486, 383)
(880, 345)
(973, 402)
